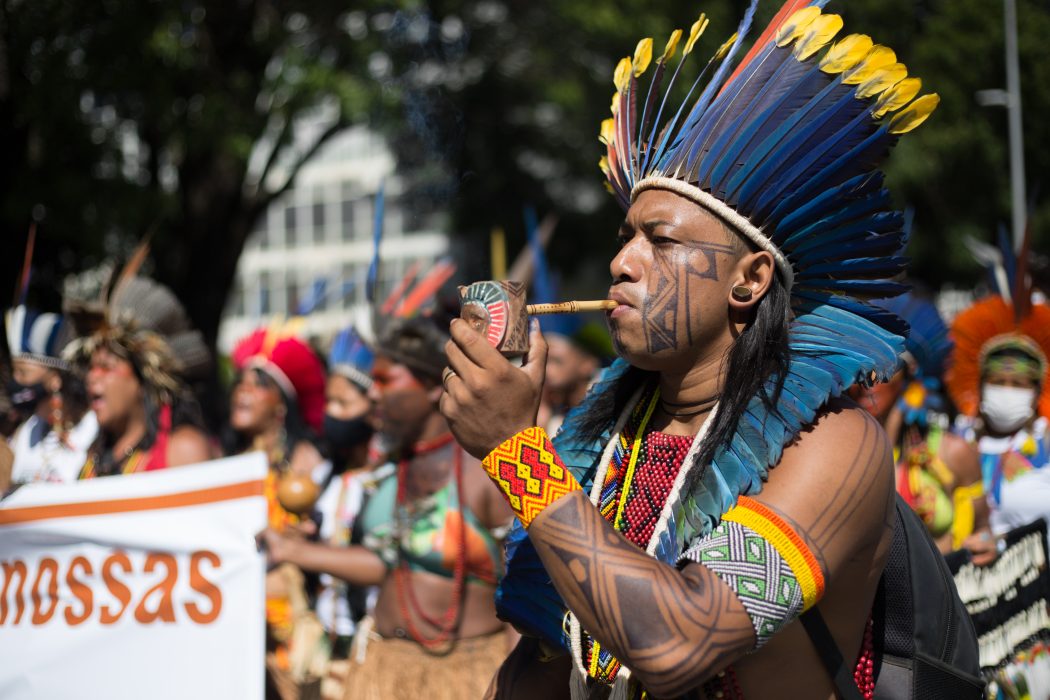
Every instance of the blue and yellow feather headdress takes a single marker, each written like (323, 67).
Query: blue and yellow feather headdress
(785, 149)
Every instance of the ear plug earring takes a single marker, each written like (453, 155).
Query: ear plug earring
(742, 293)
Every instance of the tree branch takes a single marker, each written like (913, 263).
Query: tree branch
(266, 197)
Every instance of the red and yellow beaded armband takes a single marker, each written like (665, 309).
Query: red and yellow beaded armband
(529, 473)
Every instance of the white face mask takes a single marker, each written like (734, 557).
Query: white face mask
(1006, 408)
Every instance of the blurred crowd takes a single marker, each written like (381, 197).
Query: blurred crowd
(384, 543)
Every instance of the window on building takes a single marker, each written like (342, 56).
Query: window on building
(264, 294)
(346, 219)
(319, 222)
(291, 303)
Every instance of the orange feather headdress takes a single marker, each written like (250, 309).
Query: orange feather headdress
(990, 325)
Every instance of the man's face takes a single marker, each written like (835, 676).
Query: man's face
(567, 366)
(402, 400)
(671, 278)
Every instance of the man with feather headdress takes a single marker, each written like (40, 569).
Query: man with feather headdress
(715, 485)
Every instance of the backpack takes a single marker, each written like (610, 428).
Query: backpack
(924, 639)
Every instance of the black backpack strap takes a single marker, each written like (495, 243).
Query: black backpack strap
(830, 656)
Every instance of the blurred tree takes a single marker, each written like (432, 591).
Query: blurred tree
(176, 119)
(117, 119)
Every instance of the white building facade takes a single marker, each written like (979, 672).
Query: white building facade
(320, 232)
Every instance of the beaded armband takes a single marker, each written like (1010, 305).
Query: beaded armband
(529, 473)
(765, 562)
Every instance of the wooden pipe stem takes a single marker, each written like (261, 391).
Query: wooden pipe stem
(571, 307)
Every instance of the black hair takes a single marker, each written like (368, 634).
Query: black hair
(295, 428)
(74, 396)
(185, 411)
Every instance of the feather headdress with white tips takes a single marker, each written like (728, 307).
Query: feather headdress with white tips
(784, 149)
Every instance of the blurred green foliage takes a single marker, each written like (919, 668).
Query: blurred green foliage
(489, 105)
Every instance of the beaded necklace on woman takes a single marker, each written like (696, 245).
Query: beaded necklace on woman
(406, 596)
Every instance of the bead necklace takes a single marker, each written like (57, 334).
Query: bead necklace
(406, 595)
(726, 686)
(633, 497)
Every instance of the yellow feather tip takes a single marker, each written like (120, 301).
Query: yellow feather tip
(896, 97)
(817, 35)
(846, 53)
(793, 27)
(623, 74)
(882, 80)
(695, 32)
(672, 46)
(643, 56)
(879, 57)
(914, 114)
(615, 106)
(607, 131)
(724, 48)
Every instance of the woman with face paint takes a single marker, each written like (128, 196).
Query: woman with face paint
(52, 443)
(137, 350)
(998, 380)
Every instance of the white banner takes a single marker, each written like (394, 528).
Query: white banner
(141, 586)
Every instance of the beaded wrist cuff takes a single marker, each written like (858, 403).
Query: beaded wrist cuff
(529, 473)
(765, 562)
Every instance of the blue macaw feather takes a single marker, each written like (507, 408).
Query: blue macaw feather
(800, 167)
(774, 91)
(888, 243)
(841, 169)
(854, 209)
(717, 79)
(736, 96)
(807, 123)
(882, 267)
(858, 186)
(927, 339)
(876, 223)
(875, 289)
(805, 299)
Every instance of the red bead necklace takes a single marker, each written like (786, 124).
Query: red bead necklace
(725, 685)
(406, 595)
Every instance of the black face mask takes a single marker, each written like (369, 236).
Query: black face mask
(344, 435)
(25, 397)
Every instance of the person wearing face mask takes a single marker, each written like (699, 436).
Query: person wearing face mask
(52, 444)
(998, 380)
(137, 350)
(347, 435)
